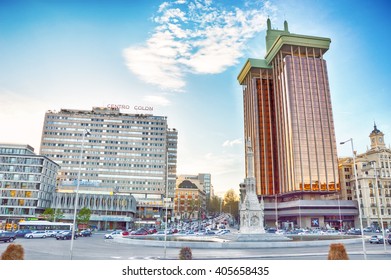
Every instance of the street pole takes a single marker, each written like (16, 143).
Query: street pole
(340, 216)
(358, 197)
(275, 206)
(299, 214)
(85, 133)
(380, 219)
(166, 202)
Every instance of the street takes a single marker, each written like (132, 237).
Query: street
(98, 248)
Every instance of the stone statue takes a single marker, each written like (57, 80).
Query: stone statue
(251, 211)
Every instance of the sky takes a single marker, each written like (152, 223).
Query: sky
(182, 58)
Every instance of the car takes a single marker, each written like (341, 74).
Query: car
(86, 233)
(280, 232)
(152, 230)
(376, 239)
(389, 239)
(36, 234)
(223, 232)
(7, 236)
(22, 232)
(61, 232)
(271, 230)
(64, 235)
(140, 231)
(51, 233)
(113, 234)
(354, 232)
(368, 229)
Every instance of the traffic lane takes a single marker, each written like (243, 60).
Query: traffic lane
(97, 248)
(87, 248)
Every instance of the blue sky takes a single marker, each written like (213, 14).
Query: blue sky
(182, 58)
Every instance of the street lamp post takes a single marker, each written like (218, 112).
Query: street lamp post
(276, 210)
(340, 215)
(379, 215)
(85, 133)
(166, 200)
(358, 197)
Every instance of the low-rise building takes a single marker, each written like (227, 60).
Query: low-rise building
(27, 184)
(190, 199)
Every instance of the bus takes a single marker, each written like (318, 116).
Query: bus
(45, 225)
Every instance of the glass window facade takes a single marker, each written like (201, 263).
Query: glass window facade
(288, 116)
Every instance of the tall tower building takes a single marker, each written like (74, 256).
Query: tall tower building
(124, 154)
(288, 116)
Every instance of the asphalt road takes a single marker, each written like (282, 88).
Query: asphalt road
(98, 248)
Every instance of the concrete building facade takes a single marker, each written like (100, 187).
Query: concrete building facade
(27, 184)
(190, 197)
(374, 181)
(123, 155)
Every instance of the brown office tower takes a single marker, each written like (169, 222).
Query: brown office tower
(288, 117)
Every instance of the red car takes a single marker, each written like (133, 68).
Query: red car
(140, 231)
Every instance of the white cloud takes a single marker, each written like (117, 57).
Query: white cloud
(231, 143)
(196, 37)
(157, 100)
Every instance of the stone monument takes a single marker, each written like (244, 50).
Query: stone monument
(251, 210)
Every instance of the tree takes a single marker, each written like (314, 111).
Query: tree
(194, 205)
(58, 215)
(53, 215)
(48, 214)
(213, 204)
(84, 216)
(231, 203)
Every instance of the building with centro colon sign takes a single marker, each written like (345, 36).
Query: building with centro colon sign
(127, 107)
(125, 157)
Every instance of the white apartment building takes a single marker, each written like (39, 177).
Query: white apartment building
(122, 154)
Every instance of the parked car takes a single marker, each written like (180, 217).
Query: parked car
(64, 235)
(389, 239)
(354, 232)
(22, 232)
(376, 239)
(36, 234)
(140, 231)
(7, 236)
(271, 230)
(113, 234)
(223, 231)
(85, 233)
(51, 233)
